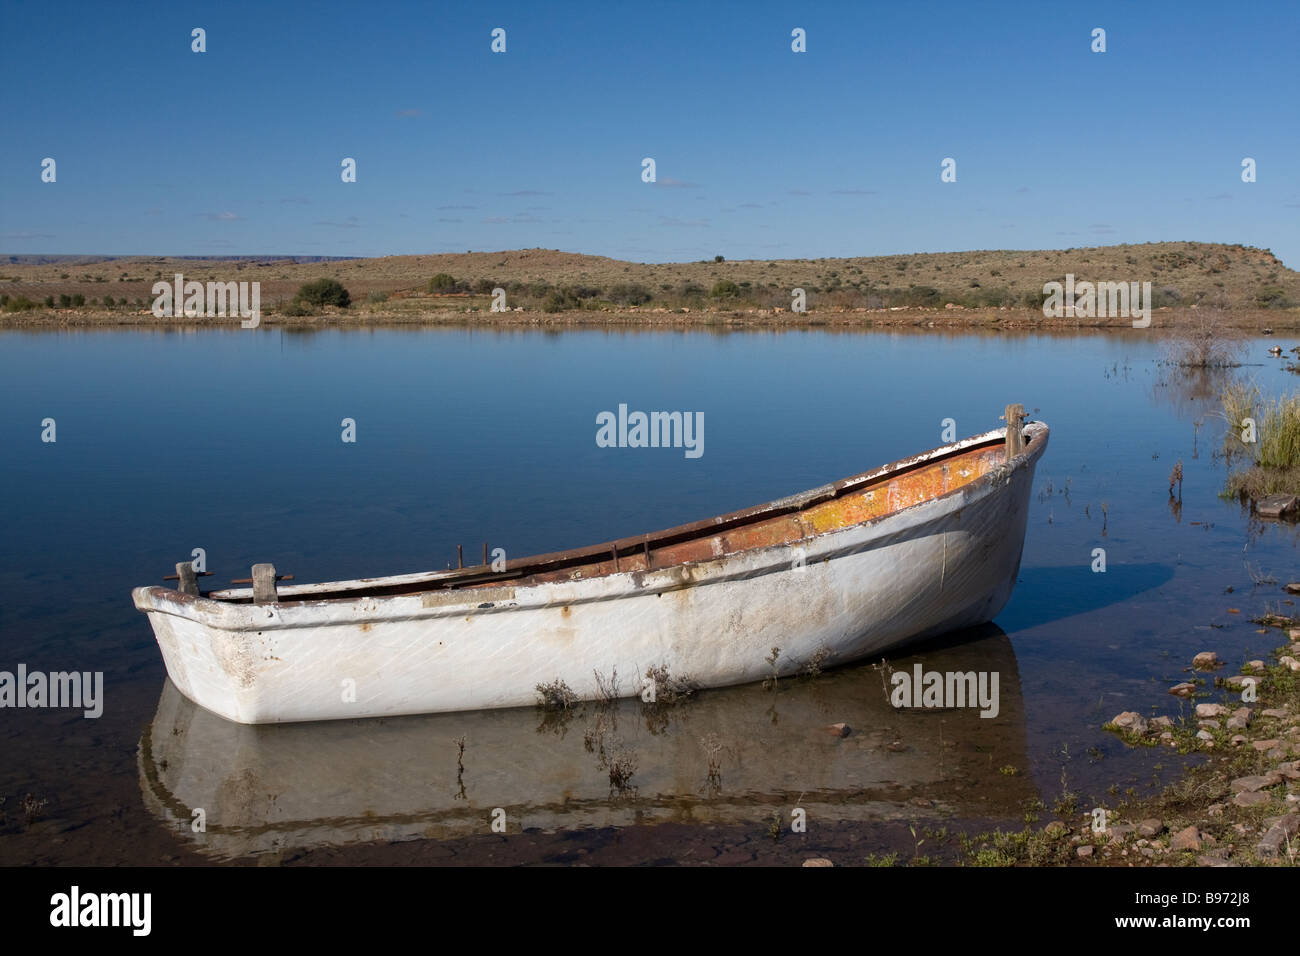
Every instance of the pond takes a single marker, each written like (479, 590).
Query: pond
(232, 442)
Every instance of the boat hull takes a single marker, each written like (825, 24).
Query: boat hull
(945, 563)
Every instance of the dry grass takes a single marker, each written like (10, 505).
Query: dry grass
(1202, 338)
(990, 286)
(553, 696)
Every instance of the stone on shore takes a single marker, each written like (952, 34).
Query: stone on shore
(1189, 838)
(1131, 721)
(1252, 798)
(1256, 782)
(1206, 661)
(1150, 828)
(1210, 710)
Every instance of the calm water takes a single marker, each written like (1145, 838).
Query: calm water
(230, 441)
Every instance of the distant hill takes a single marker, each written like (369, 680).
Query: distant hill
(1182, 274)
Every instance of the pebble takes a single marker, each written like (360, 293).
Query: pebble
(1210, 710)
(1278, 712)
(1238, 739)
(1208, 724)
(1083, 851)
(1161, 722)
(1262, 745)
(1238, 723)
(1237, 681)
(1183, 690)
(817, 861)
(1255, 665)
(838, 730)
(1289, 661)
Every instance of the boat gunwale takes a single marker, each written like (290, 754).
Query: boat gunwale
(467, 579)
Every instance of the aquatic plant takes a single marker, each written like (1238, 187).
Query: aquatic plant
(1272, 445)
(555, 696)
(1203, 339)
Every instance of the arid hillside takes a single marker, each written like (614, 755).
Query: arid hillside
(1242, 280)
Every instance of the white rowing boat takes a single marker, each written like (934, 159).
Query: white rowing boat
(852, 569)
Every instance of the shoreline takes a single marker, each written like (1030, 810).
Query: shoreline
(1165, 320)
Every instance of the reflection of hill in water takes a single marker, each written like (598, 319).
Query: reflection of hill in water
(304, 785)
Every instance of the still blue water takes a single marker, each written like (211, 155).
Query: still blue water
(230, 441)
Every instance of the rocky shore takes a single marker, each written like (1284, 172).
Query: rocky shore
(1241, 805)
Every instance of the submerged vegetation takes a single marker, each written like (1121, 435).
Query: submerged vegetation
(1202, 339)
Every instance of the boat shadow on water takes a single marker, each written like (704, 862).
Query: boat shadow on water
(736, 755)
(1052, 594)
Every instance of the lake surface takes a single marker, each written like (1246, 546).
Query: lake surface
(230, 441)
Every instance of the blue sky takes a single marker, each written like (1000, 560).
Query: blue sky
(760, 152)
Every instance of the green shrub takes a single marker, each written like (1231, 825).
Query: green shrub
(78, 300)
(377, 297)
(626, 294)
(484, 286)
(324, 292)
(442, 283)
(19, 304)
(65, 301)
(49, 302)
(297, 307)
(726, 289)
(1272, 297)
(560, 300)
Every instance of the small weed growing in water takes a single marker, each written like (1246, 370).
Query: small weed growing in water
(33, 809)
(555, 696)
(777, 826)
(770, 682)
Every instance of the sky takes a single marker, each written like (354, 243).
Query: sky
(760, 152)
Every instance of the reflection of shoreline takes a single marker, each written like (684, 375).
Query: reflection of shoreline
(1013, 323)
(269, 787)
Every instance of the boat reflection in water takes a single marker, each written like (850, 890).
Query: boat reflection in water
(734, 755)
